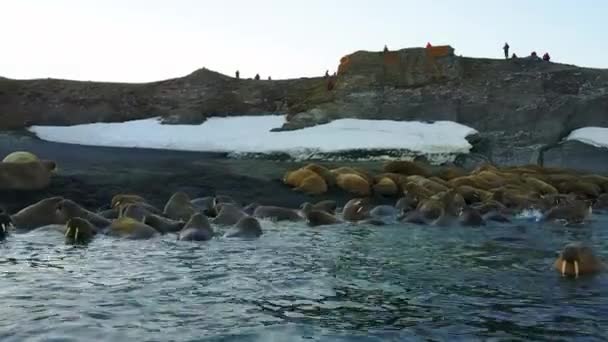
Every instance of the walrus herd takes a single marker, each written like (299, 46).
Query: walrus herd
(444, 197)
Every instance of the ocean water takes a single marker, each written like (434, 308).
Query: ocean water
(342, 283)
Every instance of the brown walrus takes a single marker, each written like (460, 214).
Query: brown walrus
(129, 228)
(179, 207)
(571, 212)
(229, 214)
(471, 217)
(248, 227)
(578, 259)
(196, 229)
(45, 212)
(357, 209)
(79, 231)
(35, 175)
(162, 224)
(315, 217)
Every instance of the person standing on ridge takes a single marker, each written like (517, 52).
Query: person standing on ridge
(546, 57)
(326, 73)
(506, 50)
(238, 75)
(385, 48)
(257, 77)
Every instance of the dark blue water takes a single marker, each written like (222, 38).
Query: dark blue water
(348, 283)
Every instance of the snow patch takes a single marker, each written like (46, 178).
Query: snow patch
(595, 136)
(242, 135)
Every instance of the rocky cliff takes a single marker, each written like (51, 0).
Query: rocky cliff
(521, 107)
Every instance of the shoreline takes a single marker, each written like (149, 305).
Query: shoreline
(91, 175)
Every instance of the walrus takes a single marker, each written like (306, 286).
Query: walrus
(206, 205)
(5, 225)
(312, 185)
(601, 202)
(72, 209)
(414, 217)
(35, 175)
(354, 184)
(250, 208)
(430, 209)
(357, 209)
(330, 178)
(248, 227)
(110, 214)
(471, 217)
(315, 217)
(179, 207)
(578, 259)
(134, 211)
(229, 214)
(575, 212)
(277, 213)
(406, 203)
(588, 189)
(162, 224)
(45, 212)
(129, 228)
(79, 231)
(196, 229)
(329, 206)
(385, 186)
(119, 199)
(20, 157)
(294, 178)
(406, 168)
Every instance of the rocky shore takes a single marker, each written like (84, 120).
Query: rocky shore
(521, 108)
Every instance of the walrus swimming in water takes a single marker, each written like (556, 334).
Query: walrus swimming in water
(72, 209)
(162, 224)
(315, 217)
(79, 231)
(129, 228)
(45, 212)
(572, 212)
(250, 208)
(471, 217)
(578, 259)
(277, 213)
(124, 199)
(179, 207)
(228, 215)
(206, 205)
(248, 227)
(328, 206)
(5, 225)
(197, 229)
(357, 209)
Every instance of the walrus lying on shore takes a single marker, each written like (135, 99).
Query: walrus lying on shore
(35, 175)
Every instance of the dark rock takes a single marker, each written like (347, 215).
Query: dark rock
(577, 156)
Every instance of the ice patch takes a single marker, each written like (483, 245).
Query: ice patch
(595, 136)
(252, 135)
(533, 215)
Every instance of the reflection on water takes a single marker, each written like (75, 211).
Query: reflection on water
(347, 283)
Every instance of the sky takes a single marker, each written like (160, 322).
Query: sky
(149, 40)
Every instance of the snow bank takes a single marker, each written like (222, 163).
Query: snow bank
(596, 136)
(251, 134)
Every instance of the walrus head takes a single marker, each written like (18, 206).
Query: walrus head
(5, 224)
(119, 199)
(577, 259)
(78, 231)
(356, 209)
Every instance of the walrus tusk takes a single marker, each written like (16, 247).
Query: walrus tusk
(359, 209)
(575, 269)
(116, 204)
(67, 232)
(76, 235)
(4, 227)
(563, 268)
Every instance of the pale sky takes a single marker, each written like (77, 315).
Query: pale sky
(148, 40)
